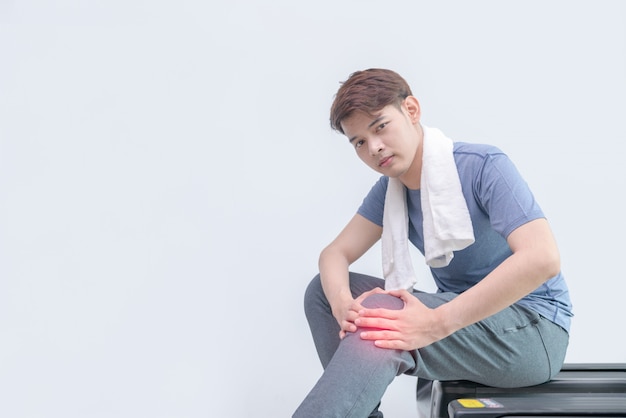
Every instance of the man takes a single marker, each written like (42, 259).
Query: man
(502, 313)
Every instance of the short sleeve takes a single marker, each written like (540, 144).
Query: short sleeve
(373, 204)
(505, 195)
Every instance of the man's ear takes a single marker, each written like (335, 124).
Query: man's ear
(412, 107)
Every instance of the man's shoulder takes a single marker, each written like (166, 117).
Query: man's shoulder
(477, 149)
(472, 157)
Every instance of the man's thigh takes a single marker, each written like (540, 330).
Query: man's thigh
(515, 347)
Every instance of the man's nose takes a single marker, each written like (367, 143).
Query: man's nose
(376, 146)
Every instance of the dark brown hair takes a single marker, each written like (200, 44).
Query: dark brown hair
(367, 91)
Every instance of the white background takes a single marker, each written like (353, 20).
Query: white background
(168, 178)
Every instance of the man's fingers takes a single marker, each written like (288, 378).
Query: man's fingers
(379, 334)
(364, 295)
(379, 313)
(403, 294)
(386, 339)
(375, 322)
(391, 344)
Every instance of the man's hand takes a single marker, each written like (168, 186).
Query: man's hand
(349, 312)
(412, 327)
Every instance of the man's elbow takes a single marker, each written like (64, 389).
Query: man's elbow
(550, 264)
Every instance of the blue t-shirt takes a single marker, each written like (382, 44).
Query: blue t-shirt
(499, 201)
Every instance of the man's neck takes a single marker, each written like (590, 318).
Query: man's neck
(412, 178)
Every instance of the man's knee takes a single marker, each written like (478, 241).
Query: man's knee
(382, 300)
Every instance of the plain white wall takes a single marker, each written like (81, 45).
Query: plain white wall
(168, 178)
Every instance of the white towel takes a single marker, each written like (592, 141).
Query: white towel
(447, 224)
(397, 267)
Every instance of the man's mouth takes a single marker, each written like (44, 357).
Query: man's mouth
(385, 161)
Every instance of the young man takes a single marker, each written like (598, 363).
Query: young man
(502, 311)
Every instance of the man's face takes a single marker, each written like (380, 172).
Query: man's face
(388, 141)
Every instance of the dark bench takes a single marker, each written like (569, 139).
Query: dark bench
(588, 380)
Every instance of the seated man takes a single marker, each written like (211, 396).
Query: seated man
(502, 311)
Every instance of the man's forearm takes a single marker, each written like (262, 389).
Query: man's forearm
(515, 278)
(335, 278)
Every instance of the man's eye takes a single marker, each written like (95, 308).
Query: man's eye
(382, 125)
(359, 143)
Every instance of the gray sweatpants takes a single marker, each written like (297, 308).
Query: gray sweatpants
(513, 348)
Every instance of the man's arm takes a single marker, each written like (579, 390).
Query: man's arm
(353, 241)
(535, 259)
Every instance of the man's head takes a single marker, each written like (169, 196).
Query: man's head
(367, 91)
(381, 118)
